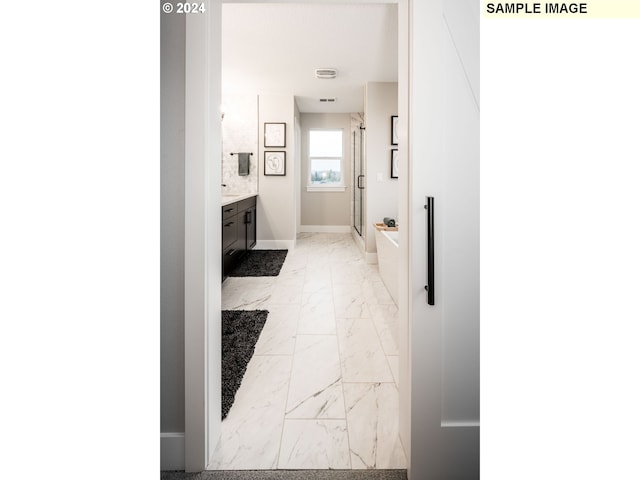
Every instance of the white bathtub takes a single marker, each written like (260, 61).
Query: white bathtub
(387, 246)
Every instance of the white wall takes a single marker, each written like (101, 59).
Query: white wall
(277, 194)
(381, 102)
(325, 208)
(172, 37)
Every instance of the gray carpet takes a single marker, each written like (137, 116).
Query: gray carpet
(240, 332)
(288, 475)
(260, 263)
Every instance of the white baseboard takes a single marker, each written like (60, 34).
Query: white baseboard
(324, 229)
(371, 258)
(171, 451)
(275, 245)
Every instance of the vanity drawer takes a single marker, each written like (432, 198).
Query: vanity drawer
(229, 210)
(229, 231)
(229, 259)
(246, 203)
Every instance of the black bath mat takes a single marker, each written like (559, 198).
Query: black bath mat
(240, 332)
(260, 263)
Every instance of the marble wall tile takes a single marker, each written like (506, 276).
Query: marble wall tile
(362, 358)
(314, 444)
(250, 435)
(315, 390)
(372, 422)
(239, 134)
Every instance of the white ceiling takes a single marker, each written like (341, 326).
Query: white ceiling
(275, 48)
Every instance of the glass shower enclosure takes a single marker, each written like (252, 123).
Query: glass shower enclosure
(358, 176)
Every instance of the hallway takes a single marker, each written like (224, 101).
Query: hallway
(321, 389)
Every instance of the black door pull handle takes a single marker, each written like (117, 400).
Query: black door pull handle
(429, 287)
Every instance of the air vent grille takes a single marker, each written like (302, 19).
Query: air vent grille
(326, 73)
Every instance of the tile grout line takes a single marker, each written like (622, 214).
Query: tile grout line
(344, 397)
(286, 401)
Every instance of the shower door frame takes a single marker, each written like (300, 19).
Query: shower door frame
(358, 173)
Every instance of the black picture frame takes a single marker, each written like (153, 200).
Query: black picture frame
(275, 164)
(394, 163)
(394, 129)
(275, 135)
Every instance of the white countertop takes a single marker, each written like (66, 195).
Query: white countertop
(227, 199)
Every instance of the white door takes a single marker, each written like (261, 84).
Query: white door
(445, 411)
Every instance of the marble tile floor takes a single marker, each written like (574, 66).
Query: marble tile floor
(321, 389)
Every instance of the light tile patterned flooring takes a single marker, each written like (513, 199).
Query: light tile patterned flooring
(321, 389)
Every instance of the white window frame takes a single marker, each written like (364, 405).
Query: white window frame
(332, 187)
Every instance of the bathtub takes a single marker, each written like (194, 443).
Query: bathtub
(387, 246)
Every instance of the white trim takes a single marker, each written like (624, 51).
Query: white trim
(316, 188)
(275, 245)
(172, 451)
(324, 229)
(371, 258)
(202, 237)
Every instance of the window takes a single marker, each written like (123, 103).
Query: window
(325, 160)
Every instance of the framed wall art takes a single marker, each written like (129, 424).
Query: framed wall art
(275, 135)
(394, 130)
(394, 163)
(275, 163)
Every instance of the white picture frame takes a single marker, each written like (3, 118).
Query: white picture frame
(275, 135)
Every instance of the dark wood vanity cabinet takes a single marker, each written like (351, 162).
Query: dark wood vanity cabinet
(238, 232)
(247, 217)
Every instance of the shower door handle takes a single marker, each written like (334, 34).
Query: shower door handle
(360, 186)
(430, 286)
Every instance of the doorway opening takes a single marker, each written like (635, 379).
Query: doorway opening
(327, 298)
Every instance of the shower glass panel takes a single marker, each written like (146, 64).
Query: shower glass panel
(358, 176)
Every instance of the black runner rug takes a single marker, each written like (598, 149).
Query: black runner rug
(240, 332)
(260, 263)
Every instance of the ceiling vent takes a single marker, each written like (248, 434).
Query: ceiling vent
(328, 100)
(326, 73)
